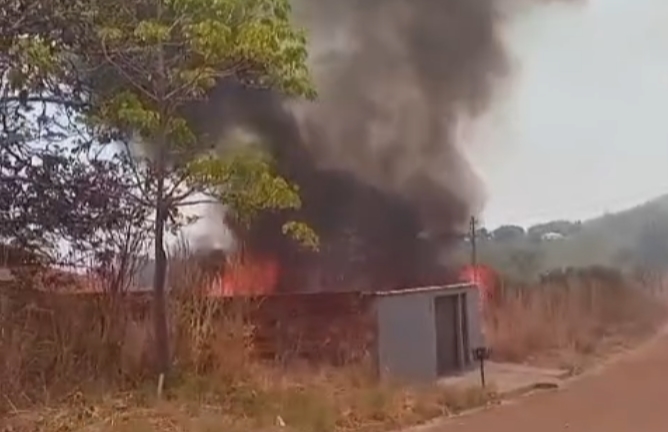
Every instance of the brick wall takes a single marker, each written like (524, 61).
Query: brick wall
(321, 328)
(334, 328)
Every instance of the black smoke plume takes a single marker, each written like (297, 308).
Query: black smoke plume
(383, 178)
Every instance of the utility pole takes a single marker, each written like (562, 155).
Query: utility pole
(481, 353)
(474, 251)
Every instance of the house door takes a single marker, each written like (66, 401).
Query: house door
(446, 311)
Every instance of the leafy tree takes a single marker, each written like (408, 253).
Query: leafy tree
(52, 191)
(526, 262)
(651, 250)
(154, 58)
(631, 240)
(52, 197)
(483, 234)
(124, 73)
(623, 258)
(508, 233)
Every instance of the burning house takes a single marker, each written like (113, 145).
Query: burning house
(383, 179)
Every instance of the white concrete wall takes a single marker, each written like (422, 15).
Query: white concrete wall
(407, 330)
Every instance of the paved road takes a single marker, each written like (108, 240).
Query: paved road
(630, 395)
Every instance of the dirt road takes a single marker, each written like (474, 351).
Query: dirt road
(630, 395)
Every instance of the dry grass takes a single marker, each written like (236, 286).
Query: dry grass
(87, 366)
(571, 321)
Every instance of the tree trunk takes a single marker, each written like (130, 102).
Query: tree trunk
(161, 210)
(159, 282)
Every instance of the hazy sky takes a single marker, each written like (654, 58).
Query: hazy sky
(584, 127)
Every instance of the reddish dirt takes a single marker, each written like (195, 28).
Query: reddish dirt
(629, 395)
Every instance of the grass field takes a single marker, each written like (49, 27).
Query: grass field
(66, 370)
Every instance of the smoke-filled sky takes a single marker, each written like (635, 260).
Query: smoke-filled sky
(584, 127)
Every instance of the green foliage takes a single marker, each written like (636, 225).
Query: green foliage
(131, 68)
(159, 56)
(508, 233)
(245, 180)
(128, 69)
(633, 239)
(174, 51)
(651, 248)
(302, 233)
(34, 61)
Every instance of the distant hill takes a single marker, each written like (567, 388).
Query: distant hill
(637, 237)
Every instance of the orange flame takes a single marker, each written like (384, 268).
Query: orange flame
(247, 275)
(483, 277)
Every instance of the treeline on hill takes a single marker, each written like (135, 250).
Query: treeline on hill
(634, 240)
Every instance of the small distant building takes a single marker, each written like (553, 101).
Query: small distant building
(552, 236)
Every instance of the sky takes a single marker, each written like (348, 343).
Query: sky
(582, 127)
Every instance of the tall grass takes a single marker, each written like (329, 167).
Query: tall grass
(57, 351)
(567, 321)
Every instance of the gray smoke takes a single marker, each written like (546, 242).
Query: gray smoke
(376, 154)
(394, 78)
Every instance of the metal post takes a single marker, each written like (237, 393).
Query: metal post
(474, 251)
(482, 372)
(481, 354)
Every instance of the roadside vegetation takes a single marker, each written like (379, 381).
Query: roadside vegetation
(81, 365)
(573, 319)
(568, 293)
